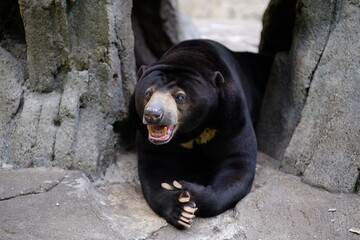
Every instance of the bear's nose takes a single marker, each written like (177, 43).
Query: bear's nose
(153, 114)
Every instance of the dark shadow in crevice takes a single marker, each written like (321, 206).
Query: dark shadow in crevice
(12, 33)
(278, 25)
(151, 39)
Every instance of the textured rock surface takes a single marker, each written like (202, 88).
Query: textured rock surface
(11, 91)
(42, 180)
(310, 117)
(81, 73)
(325, 147)
(309, 40)
(158, 25)
(50, 203)
(65, 210)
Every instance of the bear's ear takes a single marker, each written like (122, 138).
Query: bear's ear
(141, 71)
(218, 78)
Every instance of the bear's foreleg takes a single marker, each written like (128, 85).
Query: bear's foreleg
(232, 178)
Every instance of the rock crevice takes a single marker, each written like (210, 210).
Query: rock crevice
(66, 104)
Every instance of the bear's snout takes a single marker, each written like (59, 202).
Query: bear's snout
(153, 114)
(161, 109)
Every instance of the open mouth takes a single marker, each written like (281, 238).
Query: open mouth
(160, 134)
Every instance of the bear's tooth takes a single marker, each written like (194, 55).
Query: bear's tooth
(150, 129)
(165, 130)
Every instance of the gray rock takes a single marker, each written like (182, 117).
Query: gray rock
(81, 75)
(34, 136)
(11, 92)
(123, 170)
(324, 148)
(47, 40)
(311, 33)
(65, 210)
(290, 91)
(25, 135)
(48, 203)
(310, 116)
(45, 135)
(11, 79)
(284, 208)
(87, 146)
(69, 118)
(15, 183)
(124, 206)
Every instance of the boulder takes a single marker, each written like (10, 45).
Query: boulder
(324, 148)
(81, 74)
(310, 116)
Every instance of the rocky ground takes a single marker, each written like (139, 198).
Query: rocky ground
(51, 203)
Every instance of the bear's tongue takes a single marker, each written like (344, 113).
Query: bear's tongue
(160, 132)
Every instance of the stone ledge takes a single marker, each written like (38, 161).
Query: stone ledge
(279, 207)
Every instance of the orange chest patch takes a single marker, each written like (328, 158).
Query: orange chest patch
(203, 138)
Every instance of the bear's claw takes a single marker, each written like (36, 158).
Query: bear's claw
(184, 219)
(167, 186)
(184, 224)
(187, 215)
(177, 185)
(188, 207)
(184, 197)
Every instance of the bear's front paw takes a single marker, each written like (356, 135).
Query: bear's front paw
(184, 213)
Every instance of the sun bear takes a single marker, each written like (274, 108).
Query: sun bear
(195, 110)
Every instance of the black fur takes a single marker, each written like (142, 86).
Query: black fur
(226, 90)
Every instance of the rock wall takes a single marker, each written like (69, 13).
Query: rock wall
(61, 108)
(158, 25)
(325, 147)
(310, 118)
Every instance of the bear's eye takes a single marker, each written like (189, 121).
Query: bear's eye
(148, 94)
(180, 97)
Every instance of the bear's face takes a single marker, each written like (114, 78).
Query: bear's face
(171, 103)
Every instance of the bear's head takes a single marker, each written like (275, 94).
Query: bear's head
(175, 101)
